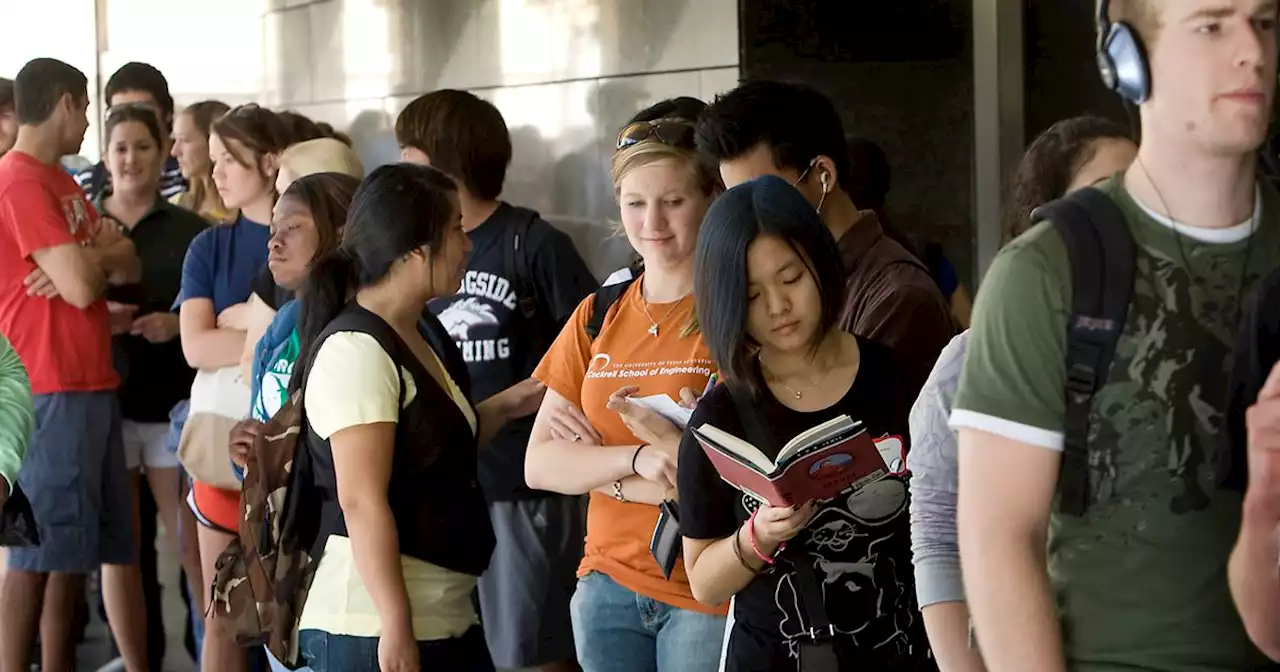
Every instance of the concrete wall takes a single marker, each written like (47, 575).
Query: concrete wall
(565, 73)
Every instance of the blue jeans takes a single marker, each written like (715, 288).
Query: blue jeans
(324, 652)
(616, 630)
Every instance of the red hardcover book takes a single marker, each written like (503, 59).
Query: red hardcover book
(818, 464)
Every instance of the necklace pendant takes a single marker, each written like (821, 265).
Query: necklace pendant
(653, 330)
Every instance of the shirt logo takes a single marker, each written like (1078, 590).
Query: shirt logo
(459, 318)
(75, 212)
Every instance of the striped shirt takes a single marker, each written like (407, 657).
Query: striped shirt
(96, 181)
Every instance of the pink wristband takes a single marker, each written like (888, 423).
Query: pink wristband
(751, 536)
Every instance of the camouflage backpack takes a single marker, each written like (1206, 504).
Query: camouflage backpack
(261, 581)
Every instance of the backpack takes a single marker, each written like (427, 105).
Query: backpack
(515, 264)
(608, 294)
(541, 330)
(262, 579)
(1102, 253)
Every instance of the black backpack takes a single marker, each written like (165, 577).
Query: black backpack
(540, 327)
(608, 294)
(1102, 254)
(515, 264)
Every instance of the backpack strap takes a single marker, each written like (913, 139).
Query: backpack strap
(604, 298)
(515, 264)
(1102, 254)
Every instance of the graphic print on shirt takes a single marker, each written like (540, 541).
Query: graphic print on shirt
(275, 381)
(477, 315)
(1176, 342)
(856, 552)
(602, 367)
(76, 212)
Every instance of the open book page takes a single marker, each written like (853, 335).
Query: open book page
(664, 405)
(735, 448)
(843, 461)
(816, 436)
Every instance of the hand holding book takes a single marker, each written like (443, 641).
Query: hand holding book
(818, 464)
(646, 424)
(777, 524)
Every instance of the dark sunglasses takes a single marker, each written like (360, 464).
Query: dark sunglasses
(670, 132)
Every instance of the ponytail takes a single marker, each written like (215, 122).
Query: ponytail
(323, 296)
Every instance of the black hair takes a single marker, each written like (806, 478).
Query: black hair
(146, 78)
(767, 206)
(795, 122)
(682, 107)
(6, 95)
(139, 113)
(40, 84)
(328, 196)
(1050, 164)
(463, 135)
(397, 209)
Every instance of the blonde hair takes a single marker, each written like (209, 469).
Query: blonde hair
(648, 152)
(1141, 15)
(322, 155)
(201, 196)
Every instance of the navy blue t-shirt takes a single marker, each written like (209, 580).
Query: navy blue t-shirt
(222, 263)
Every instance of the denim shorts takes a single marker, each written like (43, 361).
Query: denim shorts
(75, 476)
(617, 630)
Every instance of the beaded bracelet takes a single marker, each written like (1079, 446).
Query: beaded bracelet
(751, 535)
(617, 491)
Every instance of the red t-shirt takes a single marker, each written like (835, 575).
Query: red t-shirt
(65, 349)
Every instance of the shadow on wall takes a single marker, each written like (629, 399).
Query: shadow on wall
(373, 136)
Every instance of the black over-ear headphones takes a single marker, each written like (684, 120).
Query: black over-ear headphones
(1121, 58)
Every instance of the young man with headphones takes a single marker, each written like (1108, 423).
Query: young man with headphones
(1130, 574)
(792, 131)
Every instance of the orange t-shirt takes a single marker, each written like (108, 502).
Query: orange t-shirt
(587, 372)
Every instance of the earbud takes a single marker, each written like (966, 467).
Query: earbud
(822, 178)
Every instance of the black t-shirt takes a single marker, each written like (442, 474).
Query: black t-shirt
(268, 291)
(859, 545)
(499, 343)
(155, 376)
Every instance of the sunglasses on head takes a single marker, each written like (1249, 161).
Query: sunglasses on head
(671, 132)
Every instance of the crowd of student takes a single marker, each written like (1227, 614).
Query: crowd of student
(470, 402)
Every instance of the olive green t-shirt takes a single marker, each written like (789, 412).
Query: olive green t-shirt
(1140, 580)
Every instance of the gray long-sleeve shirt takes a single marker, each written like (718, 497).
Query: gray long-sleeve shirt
(933, 462)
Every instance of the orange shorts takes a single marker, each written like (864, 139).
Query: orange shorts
(216, 508)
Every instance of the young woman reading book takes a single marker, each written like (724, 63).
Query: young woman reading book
(768, 291)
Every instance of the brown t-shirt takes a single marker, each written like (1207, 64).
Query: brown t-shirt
(891, 298)
(587, 372)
